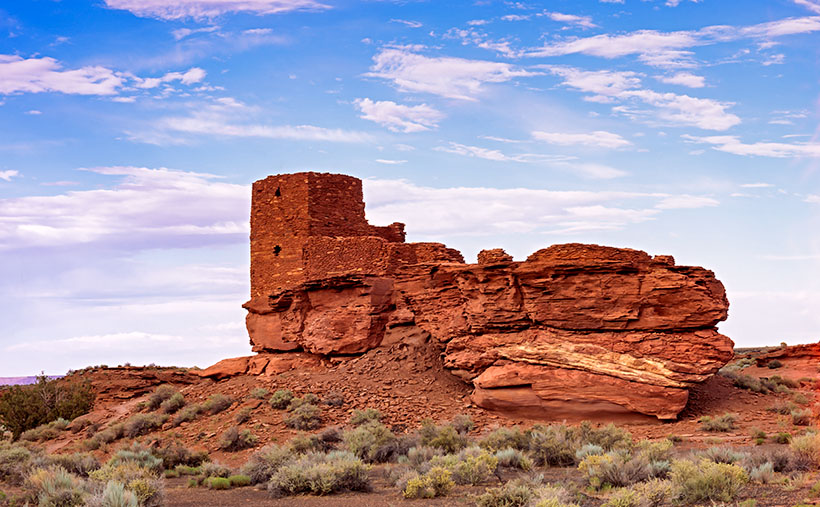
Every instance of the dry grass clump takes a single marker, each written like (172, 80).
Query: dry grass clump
(259, 393)
(801, 417)
(160, 395)
(217, 403)
(281, 399)
(235, 439)
(264, 463)
(320, 474)
(142, 424)
(305, 416)
(362, 416)
(435, 482)
(187, 414)
(706, 481)
(723, 423)
(46, 431)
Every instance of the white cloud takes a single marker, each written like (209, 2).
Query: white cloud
(684, 79)
(756, 185)
(675, 3)
(571, 19)
(390, 162)
(8, 175)
(497, 155)
(182, 33)
(455, 78)
(38, 75)
(34, 112)
(219, 119)
(812, 198)
(411, 24)
(199, 9)
(686, 202)
(191, 76)
(148, 208)
(733, 144)
(594, 171)
(398, 117)
(258, 31)
(598, 138)
(812, 5)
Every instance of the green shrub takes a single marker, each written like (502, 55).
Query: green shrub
(320, 474)
(304, 417)
(26, 407)
(553, 445)
(726, 422)
(513, 458)
(801, 417)
(618, 469)
(264, 463)
(106, 436)
(173, 404)
(187, 470)
(308, 399)
(46, 431)
(187, 414)
(160, 395)
(506, 438)
(281, 399)
(723, 455)
(175, 454)
(238, 481)
(472, 465)
(138, 455)
(436, 482)
(235, 440)
(259, 393)
(462, 423)
(171, 474)
(368, 441)
(774, 364)
(515, 493)
(444, 437)
(707, 481)
(217, 483)
(363, 416)
(782, 438)
(142, 424)
(56, 487)
(217, 403)
(243, 415)
(114, 495)
(808, 447)
(79, 463)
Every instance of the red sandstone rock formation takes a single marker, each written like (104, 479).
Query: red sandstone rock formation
(574, 328)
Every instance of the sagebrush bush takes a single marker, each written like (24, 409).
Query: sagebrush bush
(243, 415)
(723, 455)
(142, 424)
(307, 399)
(304, 417)
(106, 436)
(368, 439)
(56, 487)
(723, 423)
(46, 431)
(234, 439)
(515, 493)
(173, 404)
(281, 399)
(472, 465)
(707, 481)
(79, 463)
(513, 458)
(259, 393)
(114, 495)
(187, 414)
(26, 407)
(160, 394)
(138, 455)
(807, 447)
(553, 445)
(144, 482)
(782, 407)
(217, 403)
(801, 417)
(264, 463)
(366, 415)
(436, 482)
(215, 470)
(444, 437)
(763, 474)
(462, 423)
(506, 438)
(175, 454)
(618, 469)
(782, 437)
(320, 474)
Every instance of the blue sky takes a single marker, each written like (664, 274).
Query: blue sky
(130, 131)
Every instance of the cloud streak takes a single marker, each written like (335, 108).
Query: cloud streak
(203, 9)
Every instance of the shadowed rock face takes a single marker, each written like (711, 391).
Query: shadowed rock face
(579, 328)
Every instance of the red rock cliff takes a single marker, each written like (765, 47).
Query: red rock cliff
(574, 328)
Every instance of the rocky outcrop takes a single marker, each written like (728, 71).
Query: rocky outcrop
(574, 328)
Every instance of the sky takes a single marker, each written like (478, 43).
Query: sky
(131, 130)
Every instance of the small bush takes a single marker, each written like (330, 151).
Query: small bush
(515, 493)
(707, 481)
(281, 399)
(617, 469)
(367, 440)
(235, 440)
(808, 447)
(800, 399)
(106, 436)
(472, 465)
(137, 455)
(114, 495)
(243, 415)
(444, 437)
(143, 482)
(175, 454)
(142, 424)
(215, 470)
(259, 393)
(57, 487)
(553, 446)
(723, 423)
(763, 474)
(320, 474)
(774, 364)
(173, 404)
(463, 424)
(171, 474)
(187, 414)
(79, 463)
(238, 481)
(217, 403)
(782, 438)
(308, 399)
(217, 483)
(436, 482)
(744, 381)
(653, 493)
(801, 417)
(264, 463)
(160, 394)
(723, 455)
(362, 416)
(46, 431)
(513, 458)
(506, 438)
(783, 407)
(304, 417)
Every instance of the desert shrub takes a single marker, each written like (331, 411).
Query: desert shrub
(782, 407)
(170, 474)
(142, 424)
(46, 431)
(243, 415)
(187, 470)
(217, 403)
(114, 495)
(657, 450)
(281, 399)
(617, 469)
(513, 458)
(622, 497)
(553, 446)
(774, 364)
(235, 440)
(106, 436)
(782, 460)
(653, 493)
(329, 437)
(515, 493)
(79, 463)
(56, 487)
(782, 438)
(160, 394)
(26, 407)
(800, 399)
(726, 422)
(173, 404)
(472, 465)
(79, 424)
(14, 462)
(807, 447)
(707, 481)
(723, 455)
(366, 440)
(308, 399)
(175, 454)
(187, 414)
(505, 438)
(138, 455)
(744, 381)
(217, 483)
(444, 437)
(763, 474)
(304, 417)
(588, 450)
(320, 474)
(264, 463)
(784, 381)
(462, 423)
(436, 482)
(366, 415)
(801, 417)
(143, 482)
(334, 399)
(420, 455)
(259, 393)
(238, 481)
(305, 443)
(215, 470)
(610, 437)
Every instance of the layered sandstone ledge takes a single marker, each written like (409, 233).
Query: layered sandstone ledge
(573, 329)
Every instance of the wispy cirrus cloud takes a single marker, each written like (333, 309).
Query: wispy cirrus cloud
(46, 74)
(684, 79)
(203, 9)
(498, 155)
(398, 117)
(733, 144)
(455, 78)
(598, 139)
(191, 76)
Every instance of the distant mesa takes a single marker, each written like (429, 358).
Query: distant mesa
(575, 329)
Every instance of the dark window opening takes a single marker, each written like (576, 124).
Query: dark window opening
(276, 250)
(277, 193)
